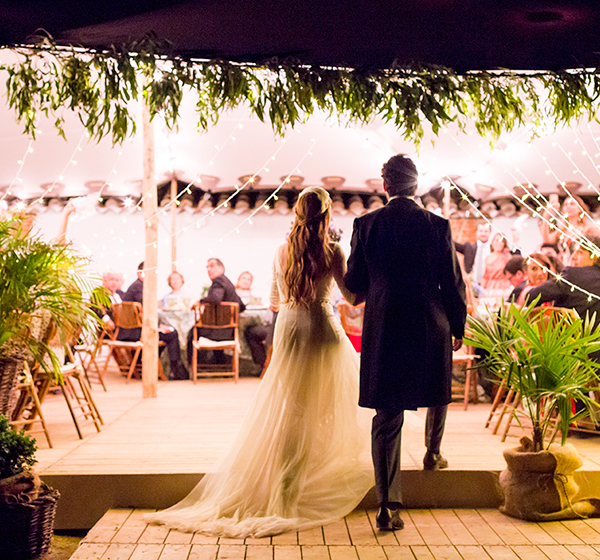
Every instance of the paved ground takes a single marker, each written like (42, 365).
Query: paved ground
(428, 535)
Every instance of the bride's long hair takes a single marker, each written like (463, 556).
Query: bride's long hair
(309, 249)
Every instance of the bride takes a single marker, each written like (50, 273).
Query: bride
(295, 463)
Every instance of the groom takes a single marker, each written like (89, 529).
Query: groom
(403, 264)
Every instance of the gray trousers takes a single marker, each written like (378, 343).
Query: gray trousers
(386, 438)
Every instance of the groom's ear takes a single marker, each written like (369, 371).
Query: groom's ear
(385, 187)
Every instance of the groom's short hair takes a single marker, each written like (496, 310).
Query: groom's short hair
(400, 176)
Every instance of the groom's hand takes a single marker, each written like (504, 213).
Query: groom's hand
(457, 344)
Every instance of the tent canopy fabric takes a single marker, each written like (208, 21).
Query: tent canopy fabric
(460, 34)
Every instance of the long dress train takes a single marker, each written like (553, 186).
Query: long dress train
(295, 463)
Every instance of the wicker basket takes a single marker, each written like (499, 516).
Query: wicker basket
(10, 369)
(26, 528)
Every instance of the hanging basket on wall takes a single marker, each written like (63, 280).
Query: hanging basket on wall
(26, 527)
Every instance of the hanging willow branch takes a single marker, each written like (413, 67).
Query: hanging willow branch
(99, 87)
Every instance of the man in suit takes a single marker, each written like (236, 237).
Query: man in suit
(166, 334)
(111, 281)
(404, 265)
(585, 274)
(221, 289)
(475, 253)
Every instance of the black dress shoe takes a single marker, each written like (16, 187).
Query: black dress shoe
(387, 520)
(397, 522)
(434, 461)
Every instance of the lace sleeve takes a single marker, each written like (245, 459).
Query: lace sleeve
(274, 297)
(338, 267)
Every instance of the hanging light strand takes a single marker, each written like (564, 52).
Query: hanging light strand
(556, 276)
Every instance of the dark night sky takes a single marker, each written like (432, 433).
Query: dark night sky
(462, 34)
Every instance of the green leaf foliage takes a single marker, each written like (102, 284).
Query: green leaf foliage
(16, 449)
(545, 357)
(99, 87)
(37, 277)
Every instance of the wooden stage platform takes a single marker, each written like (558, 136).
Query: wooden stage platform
(151, 452)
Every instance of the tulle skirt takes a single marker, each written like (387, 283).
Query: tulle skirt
(295, 462)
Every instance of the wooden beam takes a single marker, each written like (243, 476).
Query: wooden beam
(173, 223)
(150, 322)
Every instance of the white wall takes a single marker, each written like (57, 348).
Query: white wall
(116, 241)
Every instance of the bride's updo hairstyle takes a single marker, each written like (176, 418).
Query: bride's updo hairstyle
(309, 248)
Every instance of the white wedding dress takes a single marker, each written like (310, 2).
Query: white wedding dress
(295, 463)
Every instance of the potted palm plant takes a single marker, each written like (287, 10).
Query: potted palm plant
(41, 283)
(27, 506)
(544, 356)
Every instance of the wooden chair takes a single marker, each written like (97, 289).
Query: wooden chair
(222, 316)
(79, 398)
(466, 357)
(87, 348)
(127, 315)
(352, 322)
(29, 406)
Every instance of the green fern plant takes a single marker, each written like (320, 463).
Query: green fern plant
(37, 277)
(545, 357)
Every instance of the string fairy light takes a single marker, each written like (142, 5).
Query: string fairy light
(556, 276)
(21, 164)
(272, 196)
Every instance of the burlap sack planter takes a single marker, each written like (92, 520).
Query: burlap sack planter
(539, 486)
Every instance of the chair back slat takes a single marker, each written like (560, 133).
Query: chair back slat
(127, 315)
(217, 316)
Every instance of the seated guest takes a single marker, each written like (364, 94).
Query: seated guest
(176, 298)
(166, 334)
(221, 289)
(585, 274)
(244, 286)
(110, 281)
(514, 271)
(537, 273)
(259, 338)
(549, 249)
(493, 275)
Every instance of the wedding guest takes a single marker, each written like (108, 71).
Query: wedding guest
(549, 249)
(243, 287)
(575, 225)
(475, 253)
(166, 334)
(537, 273)
(221, 289)
(493, 276)
(176, 299)
(514, 272)
(572, 289)
(110, 281)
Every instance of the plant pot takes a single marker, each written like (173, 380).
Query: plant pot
(539, 486)
(26, 527)
(10, 369)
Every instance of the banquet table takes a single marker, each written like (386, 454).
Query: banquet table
(253, 315)
(182, 320)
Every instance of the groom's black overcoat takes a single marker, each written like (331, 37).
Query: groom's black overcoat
(404, 262)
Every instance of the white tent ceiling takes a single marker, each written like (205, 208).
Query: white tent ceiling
(241, 145)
